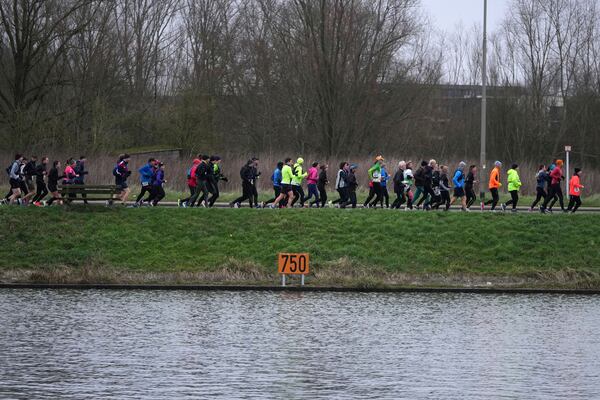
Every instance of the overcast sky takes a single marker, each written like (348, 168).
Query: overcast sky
(446, 14)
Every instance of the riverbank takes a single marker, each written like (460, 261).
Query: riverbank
(360, 248)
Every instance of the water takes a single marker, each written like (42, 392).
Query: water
(152, 344)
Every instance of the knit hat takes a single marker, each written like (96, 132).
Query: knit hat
(498, 164)
(300, 160)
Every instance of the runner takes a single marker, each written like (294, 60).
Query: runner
(69, 176)
(375, 183)
(470, 182)
(191, 182)
(287, 176)
(28, 172)
(53, 178)
(459, 186)
(276, 180)
(146, 176)
(514, 185)
(217, 176)
(322, 184)
(494, 185)
(299, 176)
(121, 173)
(541, 179)
(429, 194)
(341, 184)
(444, 188)
(15, 179)
(419, 181)
(202, 174)
(399, 185)
(81, 173)
(312, 179)
(385, 195)
(352, 185)
(575, 187)
(555, 191)
(158, 192)
(41, 190)
(408, 181)
(255, 175)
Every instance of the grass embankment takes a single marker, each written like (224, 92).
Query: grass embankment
(359, 248)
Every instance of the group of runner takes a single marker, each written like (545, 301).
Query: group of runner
(429, 187)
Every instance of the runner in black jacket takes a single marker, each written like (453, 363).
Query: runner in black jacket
(247, 174)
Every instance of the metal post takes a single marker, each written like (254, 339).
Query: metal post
(302, 281)
(568, 151)
(482, 155)
(283, 280)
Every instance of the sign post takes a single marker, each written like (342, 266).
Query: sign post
(568, 151)
(293, 264)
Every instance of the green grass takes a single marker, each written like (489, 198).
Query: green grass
(358, 247)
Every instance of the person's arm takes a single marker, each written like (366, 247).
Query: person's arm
(443, 185)
(455, 179)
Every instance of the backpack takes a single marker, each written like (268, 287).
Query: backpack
(189, 173)
(9, 168)
(116, 173)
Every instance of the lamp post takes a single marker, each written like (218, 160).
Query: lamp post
(482, 155)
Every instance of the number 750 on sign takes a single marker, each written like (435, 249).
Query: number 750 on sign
(293, 263)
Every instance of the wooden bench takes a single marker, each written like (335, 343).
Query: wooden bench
(107, 193)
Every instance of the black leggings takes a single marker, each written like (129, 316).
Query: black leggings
(374, 191)
(192, 189)
(400, 198)
(541, 194)
(277, 191)
(41, 192)
(574, 201)
(385, 195)
(343, 200)
(429, 195)
(494, 200)
(445, 199)
(298, 195)
(201, 187)
(471, 196)
(247, 194)
(322, 195)
(554, 193)
(145, 189)
(158, 193)
(514, 199)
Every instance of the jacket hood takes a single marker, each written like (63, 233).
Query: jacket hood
(197, 161)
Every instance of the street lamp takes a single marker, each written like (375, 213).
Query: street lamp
(482, 155)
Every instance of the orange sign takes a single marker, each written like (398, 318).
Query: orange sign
(293, 263)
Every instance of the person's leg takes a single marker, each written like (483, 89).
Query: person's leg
(495, 198)
(514, 199)
(571, 203)
(386, 196)
(145, 189)
(540, 194)
(417, 194)
(160, 194)
(446, 200)
(315, 193)
(296, 195)
(215, 195)
(548, 198)
(577, 203)
(352, 198)
(302, 196)
(197, 191)
(370, 196)
(323, 196)
(561, 200)
(396, 203)
(377, 189)
(429, 195)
